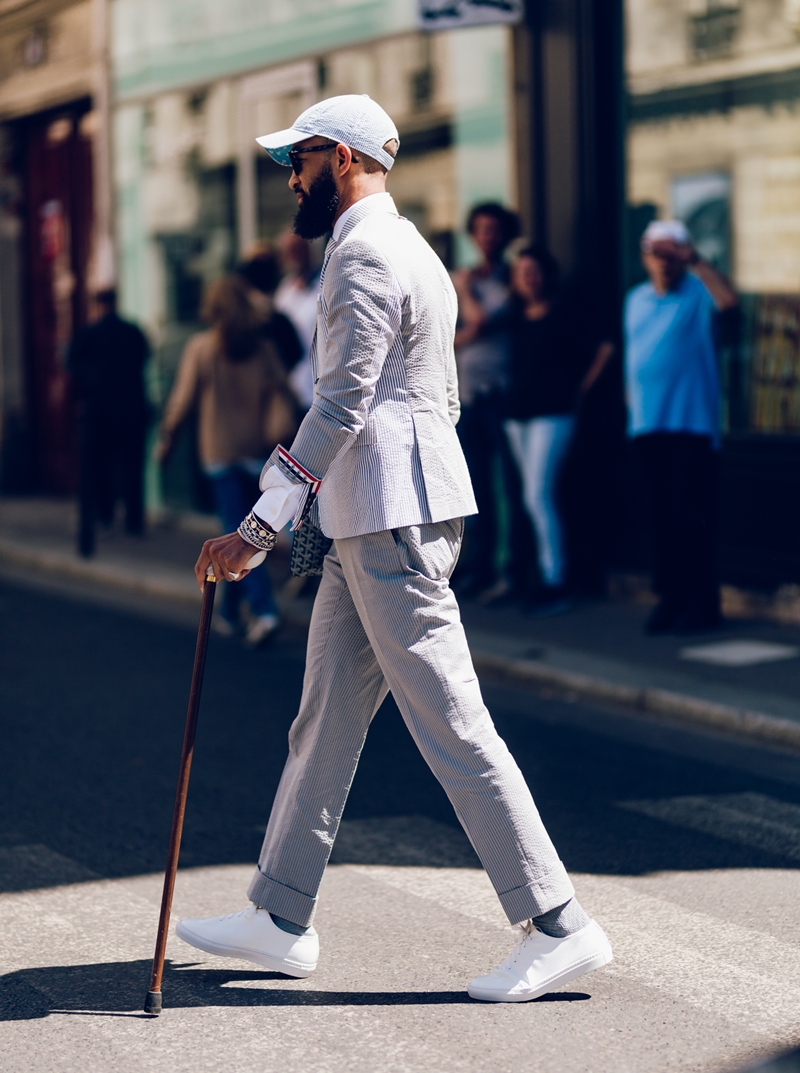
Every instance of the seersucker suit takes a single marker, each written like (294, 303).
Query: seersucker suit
(381, 430)
(395, 488)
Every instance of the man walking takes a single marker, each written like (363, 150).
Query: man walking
(379, 457)
(672, 387)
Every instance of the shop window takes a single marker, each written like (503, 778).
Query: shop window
(422, 81)
(422, 85)
(703, 202)
(193, 258)
(183, 288)
(767, 381)
(713, 31)
(322, 75)
(275, 205)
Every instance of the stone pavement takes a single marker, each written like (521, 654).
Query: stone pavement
(598, 651)
(398, 945)
(682, 842)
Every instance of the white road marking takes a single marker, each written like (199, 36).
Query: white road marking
(733, 972)
(749, 819)
(737, 973)
(739, 653)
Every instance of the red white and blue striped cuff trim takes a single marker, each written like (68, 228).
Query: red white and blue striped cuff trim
(300, 473)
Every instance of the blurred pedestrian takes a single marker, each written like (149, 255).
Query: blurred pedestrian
(261, 271)
(554, 362)
(107, 360)
(235, 381)
(482, 355)
(673, 396)
(296, 297)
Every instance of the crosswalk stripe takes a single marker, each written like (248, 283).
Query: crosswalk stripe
(750, 819)
(692, 956)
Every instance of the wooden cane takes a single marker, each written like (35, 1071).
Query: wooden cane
(152, 1004)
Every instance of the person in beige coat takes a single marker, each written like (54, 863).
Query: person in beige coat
(233, 379)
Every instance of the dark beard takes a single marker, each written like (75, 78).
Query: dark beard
(317, 207)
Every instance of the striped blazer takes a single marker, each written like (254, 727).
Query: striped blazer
(381, 430)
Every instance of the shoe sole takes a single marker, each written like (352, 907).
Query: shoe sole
(580, 968)
(289, 968)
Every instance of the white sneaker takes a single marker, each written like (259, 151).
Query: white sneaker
(260, 629)
(253, 935)
(541, 963)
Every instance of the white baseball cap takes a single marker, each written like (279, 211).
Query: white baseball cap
(666, 231)
(352, 119)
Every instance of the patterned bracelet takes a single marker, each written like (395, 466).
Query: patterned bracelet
(252, 530)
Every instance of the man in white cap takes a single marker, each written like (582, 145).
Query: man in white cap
(377, 465)
(673, 395)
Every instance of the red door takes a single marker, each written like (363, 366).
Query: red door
(58, 199)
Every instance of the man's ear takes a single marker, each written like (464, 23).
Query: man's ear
(344, 159)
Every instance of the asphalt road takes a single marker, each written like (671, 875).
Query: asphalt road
(684, 845)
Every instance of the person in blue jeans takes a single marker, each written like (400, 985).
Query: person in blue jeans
(482, 352)
(553, 364)
(233, 378)
(235, 491)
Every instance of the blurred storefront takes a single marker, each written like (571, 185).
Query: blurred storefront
(194, 191)
(589, 116)
(53, 226)
(713, 138)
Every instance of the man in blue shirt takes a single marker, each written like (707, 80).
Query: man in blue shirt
(672, 388)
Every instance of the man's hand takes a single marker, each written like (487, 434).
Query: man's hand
(682, 252)
(226, 555)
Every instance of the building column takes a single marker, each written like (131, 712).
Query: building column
(103, 266)
(569, 110)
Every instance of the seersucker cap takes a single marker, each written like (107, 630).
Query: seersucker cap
(352, 119)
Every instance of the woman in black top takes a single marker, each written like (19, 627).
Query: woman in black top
(552, 365)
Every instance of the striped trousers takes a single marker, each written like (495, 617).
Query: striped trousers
(385, 618)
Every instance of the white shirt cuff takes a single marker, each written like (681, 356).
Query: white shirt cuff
(280, 499)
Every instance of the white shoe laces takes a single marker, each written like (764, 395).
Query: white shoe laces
(529, 930)
(242, 913)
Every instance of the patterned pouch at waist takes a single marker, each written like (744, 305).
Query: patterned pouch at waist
(309, 548)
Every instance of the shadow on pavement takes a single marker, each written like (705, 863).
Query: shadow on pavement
(117, 989)
(92, 706)
(782, 1063)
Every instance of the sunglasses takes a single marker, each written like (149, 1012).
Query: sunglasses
(295, 155)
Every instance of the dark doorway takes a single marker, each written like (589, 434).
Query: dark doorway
(56, 165)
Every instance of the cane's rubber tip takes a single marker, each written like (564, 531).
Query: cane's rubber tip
(152, 1004)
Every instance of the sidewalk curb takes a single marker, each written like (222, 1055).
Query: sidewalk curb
(681, 707)
(56, 562)
(678, 706)
(166, 586)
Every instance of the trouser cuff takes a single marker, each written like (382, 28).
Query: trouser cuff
(281, 900)
(547, 892)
